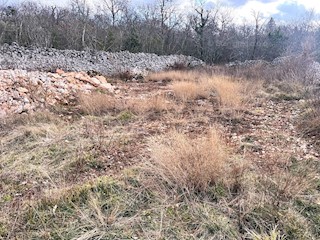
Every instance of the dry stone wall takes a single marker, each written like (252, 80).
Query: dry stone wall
(33, 78)
(106, 63)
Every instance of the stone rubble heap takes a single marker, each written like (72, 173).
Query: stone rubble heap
(105, 63)
(24, 91)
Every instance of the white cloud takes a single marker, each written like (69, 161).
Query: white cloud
(245, 12)
(309, 4)
(267, 9)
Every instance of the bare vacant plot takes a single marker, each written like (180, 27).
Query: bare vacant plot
(163, 159)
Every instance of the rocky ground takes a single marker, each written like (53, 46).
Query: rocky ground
(23, 91)
(270, 130)
(267, 127)
(49, 162)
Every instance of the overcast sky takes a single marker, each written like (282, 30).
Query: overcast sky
(241, 9)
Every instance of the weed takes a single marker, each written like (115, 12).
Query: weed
(311, 211)
(273, 235)
(125, 116)
(97, 103)
(173, 76)
(232, 94)
(192, 165)
(154, 104)
(188, 91)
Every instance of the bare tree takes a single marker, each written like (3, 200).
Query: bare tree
(257, 30)
(8, 23)
(166, 10)
(115, 8)
(82, 9)
(207, 32)
(199, 20)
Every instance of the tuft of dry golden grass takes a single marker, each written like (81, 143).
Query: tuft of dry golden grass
(274, 234)
(171, 76)
(97, 103)
(191, 165)
(232, 94)
(309, 124)
(188, 91)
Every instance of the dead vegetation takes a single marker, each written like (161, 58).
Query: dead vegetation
(192, 177)
(232, 94)
(193, 165)
(189, 91)
(288, 69)
(309, 124)
(173, 75)
(99, 104)
(226, 92)
(155, 104)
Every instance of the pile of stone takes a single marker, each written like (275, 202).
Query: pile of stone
(24, 91)
(32, 78)
(105, 63)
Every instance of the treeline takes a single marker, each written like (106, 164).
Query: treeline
(159, 27)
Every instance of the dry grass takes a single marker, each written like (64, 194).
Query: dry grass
(192, 186)
(309, 124)
(232, 94)
(158, 103)
(273, 235)
(191, 165)
(311, 128)
(187, 86)
(172, 76)
(188, 91)
(228, 92)
(97, 103)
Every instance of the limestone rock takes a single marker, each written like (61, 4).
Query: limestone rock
(23, 92)
(106, 63)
